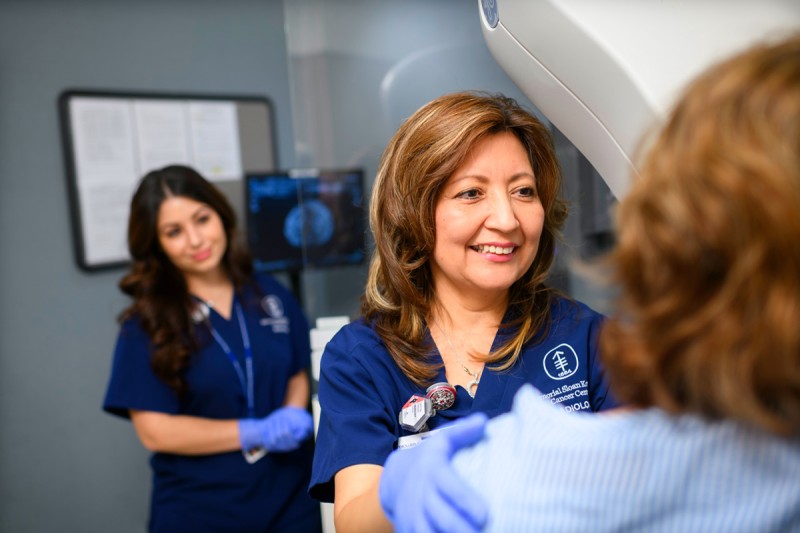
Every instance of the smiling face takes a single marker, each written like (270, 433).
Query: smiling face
(192, 235)
(489, 219)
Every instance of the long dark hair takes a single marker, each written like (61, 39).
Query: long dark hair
(159, 291)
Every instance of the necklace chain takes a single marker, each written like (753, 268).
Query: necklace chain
(476, 377)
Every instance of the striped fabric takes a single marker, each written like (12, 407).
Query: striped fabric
(542, 469)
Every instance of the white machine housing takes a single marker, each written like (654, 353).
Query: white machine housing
(606, 72)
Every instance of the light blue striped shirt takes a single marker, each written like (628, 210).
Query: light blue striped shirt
(542, 469)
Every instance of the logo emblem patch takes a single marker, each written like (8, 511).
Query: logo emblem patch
(561, 362)
(272, 306)
(276, 318)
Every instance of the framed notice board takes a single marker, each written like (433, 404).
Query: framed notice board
(112, 139)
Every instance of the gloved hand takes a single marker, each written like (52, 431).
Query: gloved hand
(419, 490)
(282, 431)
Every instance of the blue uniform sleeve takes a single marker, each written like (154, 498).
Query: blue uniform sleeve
(357, 424)
(133, 385)
(301, 339)
(298, 323)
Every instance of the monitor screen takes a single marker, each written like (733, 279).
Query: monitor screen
(305, 219)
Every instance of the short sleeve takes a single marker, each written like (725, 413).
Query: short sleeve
(132, 384)
(298, 323)
(301, 341)
(357, 424)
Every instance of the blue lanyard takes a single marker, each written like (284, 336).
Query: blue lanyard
(246, 381)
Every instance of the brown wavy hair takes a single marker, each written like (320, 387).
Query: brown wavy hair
(422, 155)
(708, 257)
(160, 294)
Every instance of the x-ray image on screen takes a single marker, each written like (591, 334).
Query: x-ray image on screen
(299, 219)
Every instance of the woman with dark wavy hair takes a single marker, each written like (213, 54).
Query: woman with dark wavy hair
(211, 368)
(465, 211)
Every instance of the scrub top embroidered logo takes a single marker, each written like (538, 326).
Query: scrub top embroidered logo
(561, 362)
(273, 306)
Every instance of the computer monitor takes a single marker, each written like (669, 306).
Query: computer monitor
(305, 219)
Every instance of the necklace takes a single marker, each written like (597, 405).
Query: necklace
(476, 377)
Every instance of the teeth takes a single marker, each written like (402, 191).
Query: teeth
(485, 249)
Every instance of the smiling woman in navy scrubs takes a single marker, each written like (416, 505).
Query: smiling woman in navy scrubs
(466, 213)
(211, 368)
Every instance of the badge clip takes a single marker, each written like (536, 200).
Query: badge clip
(416, 411)
(442, 394)
(251, 456)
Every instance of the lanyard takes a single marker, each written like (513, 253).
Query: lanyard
(245, 378)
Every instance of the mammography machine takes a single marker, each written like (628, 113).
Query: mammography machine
(605, 73)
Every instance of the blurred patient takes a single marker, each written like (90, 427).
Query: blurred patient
(706, 342)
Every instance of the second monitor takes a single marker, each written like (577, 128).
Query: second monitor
(305, 218)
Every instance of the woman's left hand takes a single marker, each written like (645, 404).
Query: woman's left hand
(282, 431)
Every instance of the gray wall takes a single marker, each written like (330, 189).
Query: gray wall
(64, 465)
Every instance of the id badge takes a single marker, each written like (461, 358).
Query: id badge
(251, 456)
(416, 411)
(409, 441)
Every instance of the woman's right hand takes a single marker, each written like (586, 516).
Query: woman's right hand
(282, 431)
(421, 492)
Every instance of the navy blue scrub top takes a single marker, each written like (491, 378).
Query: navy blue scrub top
(222, 492)
(362, 391)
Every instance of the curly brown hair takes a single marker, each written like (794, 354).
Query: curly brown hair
(422, 155)
(708, 257)
(160, 294)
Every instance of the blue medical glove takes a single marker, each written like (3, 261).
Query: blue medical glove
(419, 490)
(281, 431)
